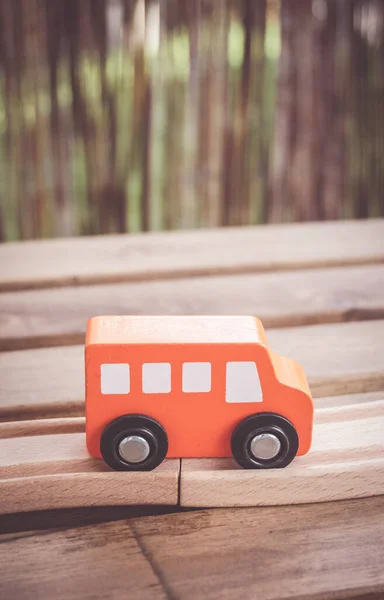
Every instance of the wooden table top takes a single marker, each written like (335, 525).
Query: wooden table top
(319, 290)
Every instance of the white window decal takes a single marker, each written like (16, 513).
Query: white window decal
(242, 382)
(156, 378)
(196, 377)
(114, 378)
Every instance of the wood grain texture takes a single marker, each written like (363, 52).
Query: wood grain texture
(346, 461)
(42, 383)
(95, 562)
(320, 551)
(63, 490)
(349, 411)
(338, 359)
(169, 255)
(27, 428)
(327, 410)
(345, 400)
(55, 471)
(54, 317)
(323, 552)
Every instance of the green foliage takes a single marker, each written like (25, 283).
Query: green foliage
(186, 136)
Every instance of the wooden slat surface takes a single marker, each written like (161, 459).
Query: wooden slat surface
(89, 563)
(327, 409)
(55, 471)
(159, 255)
(330, 550)
(338, 358)
(333, 402)
(45, 466)
(58, 316)
(324, 551)
(346, 461)
(28, 428)
(39, 490)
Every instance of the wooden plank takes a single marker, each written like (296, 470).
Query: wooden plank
(43, 468)
(227, 554)
(168, 255)
(14, 429)
(346, 461)
(55, 471)
(342, 412)
(327, 409)
(338, 358)
(346, 400)
(322, 552)
(64, 490)
(42, 383)
(55, 317)
(88, 562)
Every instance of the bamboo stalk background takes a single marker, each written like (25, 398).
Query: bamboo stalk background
(128, 115)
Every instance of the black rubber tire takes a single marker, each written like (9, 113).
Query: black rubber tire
(126, 425)
(264, 423)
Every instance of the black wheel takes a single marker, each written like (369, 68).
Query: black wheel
(134, 443)
(264, 441)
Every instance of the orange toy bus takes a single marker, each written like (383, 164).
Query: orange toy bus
(192, 387)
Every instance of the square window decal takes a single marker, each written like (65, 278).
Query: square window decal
(156, 378)
(114, 378)
(196, 377)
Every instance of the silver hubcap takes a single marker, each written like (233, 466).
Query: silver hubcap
(265, 446)
(134, 449)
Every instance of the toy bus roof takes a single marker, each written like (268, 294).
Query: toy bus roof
(175, 330)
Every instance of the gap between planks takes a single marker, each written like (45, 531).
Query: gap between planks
(54, 470)
(113, 258)
(55, 317)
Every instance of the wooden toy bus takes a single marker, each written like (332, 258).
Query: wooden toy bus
(192, 387)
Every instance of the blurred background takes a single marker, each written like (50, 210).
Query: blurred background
(138, 115)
